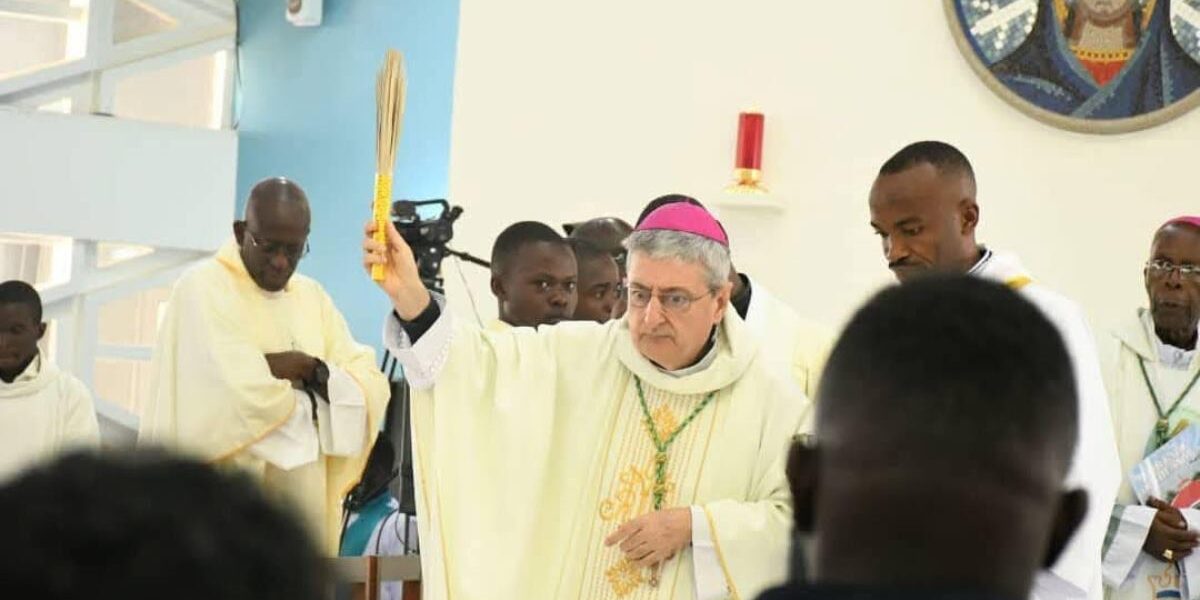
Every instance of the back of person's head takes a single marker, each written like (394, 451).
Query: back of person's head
(946, 420)
(602, 231)
(18, 292)
(515, 237)
(148, 526)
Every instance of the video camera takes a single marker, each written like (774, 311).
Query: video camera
(427, 226)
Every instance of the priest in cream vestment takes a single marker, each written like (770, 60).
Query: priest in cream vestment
(639, 459)
(255, 367)
(1152, 373)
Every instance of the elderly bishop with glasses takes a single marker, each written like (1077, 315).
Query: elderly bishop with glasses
(642, 458)
(255, 367)
(1151, 374)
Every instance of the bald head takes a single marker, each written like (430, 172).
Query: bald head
(273, 237)
(278, 199)
(924, 210)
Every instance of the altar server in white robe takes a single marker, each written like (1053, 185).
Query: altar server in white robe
(924, 210)
(643, 458)
(43, 411)
(255, 367)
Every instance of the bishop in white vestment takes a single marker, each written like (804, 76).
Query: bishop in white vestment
(639, 459)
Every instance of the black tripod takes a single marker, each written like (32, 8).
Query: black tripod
(397, 427)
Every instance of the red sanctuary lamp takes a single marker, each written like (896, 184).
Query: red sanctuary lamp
(747, 166)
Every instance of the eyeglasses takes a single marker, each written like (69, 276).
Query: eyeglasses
(291, 251)
(674, 302)
(1163, 268)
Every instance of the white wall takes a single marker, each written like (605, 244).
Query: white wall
(102, 178)
(181, 93)
(26, 43)
(564, 112)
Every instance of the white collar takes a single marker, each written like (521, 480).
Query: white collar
(30, 373)
(702, 364)
(982, 263)
(1169, 356)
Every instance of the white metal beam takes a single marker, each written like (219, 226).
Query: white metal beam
(100, 26)
(63, 309)
(76, 307)
(120, 55)
(144, 47)
(182, 11)
(162, 278)
(224, 9)
(223, 104)
(32, 101)
(37, 81)
(110, 78)
(40, 11)
(119, 279)
(83, 256)
(124, 352)
(156, 11)
(171, 57)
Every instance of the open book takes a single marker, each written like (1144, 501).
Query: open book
(1171, 473)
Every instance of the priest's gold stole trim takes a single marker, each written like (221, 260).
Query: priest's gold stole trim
(716, 538)
(614, 420)
(1018, 283)
(254, 440)
(626, 493)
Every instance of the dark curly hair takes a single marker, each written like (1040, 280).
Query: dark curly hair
(145, 525)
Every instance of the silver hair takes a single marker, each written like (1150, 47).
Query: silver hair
(687, 247)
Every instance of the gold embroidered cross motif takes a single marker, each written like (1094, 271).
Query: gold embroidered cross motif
(633, 494)
(624, 578)
(665, 420)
